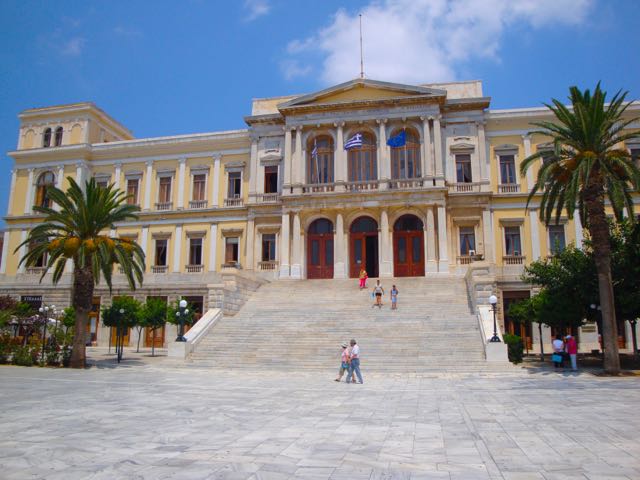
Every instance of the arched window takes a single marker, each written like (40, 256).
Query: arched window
(408, 223)
(45, 180)
(405, 160)
(46, 138)
(321, 225)
(58, 137)
(362, 161)
(320, 159)
(364, 224)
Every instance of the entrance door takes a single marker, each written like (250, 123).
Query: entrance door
(363, 238)
(159, 333)
(524, 331)
(320, 249)
(408, 247)
(94, 321)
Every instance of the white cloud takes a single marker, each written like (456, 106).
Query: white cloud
(256, 8)
(127, 32)
(421, 40)
(73, 47)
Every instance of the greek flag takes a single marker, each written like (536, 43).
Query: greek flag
(354, 142)
(314, 152)
(400, 140)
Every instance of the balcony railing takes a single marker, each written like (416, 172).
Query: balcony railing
(233, 202)
(468, 259)
(164, 205)
(265, 197)
(509, 188)
(470, 187)
(318, 187)
(513, 259)
(360, 186)
(269, 265)
(35, 270)
(159, 268)
(198, 204)
(405, 184)
(194, 268)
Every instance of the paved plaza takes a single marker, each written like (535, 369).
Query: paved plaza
(157, 421)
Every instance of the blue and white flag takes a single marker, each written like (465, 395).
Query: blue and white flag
(354, 142)
(400, 140)
(314, 152)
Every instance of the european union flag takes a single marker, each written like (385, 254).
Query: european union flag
(399, 140)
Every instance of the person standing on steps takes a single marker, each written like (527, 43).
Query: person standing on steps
(345, 358)
(394, 298)
(378, 291)
(363, 278)
(354, 365)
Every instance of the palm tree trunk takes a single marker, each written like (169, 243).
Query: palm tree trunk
(82, 298)
(599, 231)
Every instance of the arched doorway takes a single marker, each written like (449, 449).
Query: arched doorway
(320, 249)
(408, 247)
(363, 237)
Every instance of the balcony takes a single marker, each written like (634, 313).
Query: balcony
(509, 188)
(467, 187)
(265, 197)
(268, 266)
(194, 268)
(361, 186)
(164, 206)
(318, 187)
(513, 259)
(406, 184)
(233, 202)
(197, 204)
(159, 268)
(468, 259)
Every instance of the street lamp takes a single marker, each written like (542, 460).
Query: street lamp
(119, 335)
(597, 310)
(181, 314)
(44, 315)
(493, 300)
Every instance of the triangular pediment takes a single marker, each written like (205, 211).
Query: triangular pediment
(361, 90)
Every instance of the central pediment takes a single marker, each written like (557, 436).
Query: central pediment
(361, 91)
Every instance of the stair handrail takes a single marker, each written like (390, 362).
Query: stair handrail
(195, 334)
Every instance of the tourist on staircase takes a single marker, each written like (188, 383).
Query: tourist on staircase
(363, 278)
(344, 362)
(394, 298)
(354, 365)
(378, 291)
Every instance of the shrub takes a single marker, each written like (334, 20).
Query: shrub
(6, 347)
(22, 356)
(515, 346)
(66, 355)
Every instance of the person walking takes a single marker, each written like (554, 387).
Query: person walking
(394, 298)
(363, 278)
(571, 347)
(354, 365)
(558, 351)
(378, 291)
(344, 362)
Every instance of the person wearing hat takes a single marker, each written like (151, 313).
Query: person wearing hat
(571, 347)
(354, 364)
(344, 362)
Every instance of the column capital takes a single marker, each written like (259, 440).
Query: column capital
(526, 136)
(116, 164)
(182, 161)
(31, 169)
(299, 128)
(217, 157)
(480, 123)
(380, 121)
(80, 163)
(149, 163)
(339, 124)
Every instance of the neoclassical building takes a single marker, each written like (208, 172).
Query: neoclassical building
(284, 199)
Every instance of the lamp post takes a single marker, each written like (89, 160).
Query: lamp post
(597, 310)
(119, 335)
(181, 313)
(493, 300)
(44, 314)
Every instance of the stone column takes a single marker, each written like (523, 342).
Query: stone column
(296, 250)
(11, 190)
(383, 157)
(28, 199)
(427, 162)
(385, 253)
(437, 142)
(443, 258)
(482, 152)
(284, 246)
(527, 152)
(487, 229)
(117, 175)
(339, 270)
(148, 178)
(181, 173)
(144, 240)
(23, 250)
(60, 177)
(535, 235)
(249, 244)
(80, 175)
(578, 224)
(340, 167)
(432, 265)
(177, 249)
(297, 163)
(253, 168)
(5, 252)
(215, 183)
(286, 174)
(213, 246)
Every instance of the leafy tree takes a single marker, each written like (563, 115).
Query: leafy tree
(68, 318)
(7, 306)
(153, 315)
(528, 311)
(74, 233)
(585, 166)
(112, 317)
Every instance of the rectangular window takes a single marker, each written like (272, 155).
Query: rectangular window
(102, 182)
(467, 240)
(231, 250)
(235, 185)
(271, 179)
(556, 238)
(512, 241)
(463, 168)
(164, 191)
(199, 186)
(268, 247)
(507, 169)
(635, 156)
(195, 251)
(161, 252)
(132, 191)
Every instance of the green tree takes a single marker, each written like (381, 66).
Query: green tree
(528, 311)
(153, 315)
(74, 233)
(112, 316)
(585, 166)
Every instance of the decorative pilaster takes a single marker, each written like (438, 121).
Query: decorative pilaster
(535, 235)
(437, 143)
(5, 252)
(11, 190)
(339, 270)
(117, 174)
(430, 235)
(287, 162)
(215, 183)
(28, 199)
(341, 175)
(60, 177)
(213, 246)
(526, 139)
(482, 151)
(284, 246)
(487, 233)
(80, 175)
(144, 240)
(297, 163)
(443, 258)
(148, 178)
(249, 245)
(296, 250)
(383, 158)
(253, 167)
(23, 250)
(181, 174)
(578, 224)
(177, 248)
(385, 254)
(427, 162)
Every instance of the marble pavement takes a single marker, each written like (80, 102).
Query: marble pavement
(149, 421)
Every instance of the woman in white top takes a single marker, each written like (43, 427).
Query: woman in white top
(558, 351)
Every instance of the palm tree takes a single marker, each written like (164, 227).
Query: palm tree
(75, 233)
(586, 165)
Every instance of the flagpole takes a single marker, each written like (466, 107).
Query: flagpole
(361, 54)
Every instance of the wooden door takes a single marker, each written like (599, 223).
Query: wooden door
(408, 253)
(159, 337)
(94, 321)
(125, 342)
(363, 253)
(320, 255)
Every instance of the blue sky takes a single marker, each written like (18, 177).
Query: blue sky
(164, 68)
